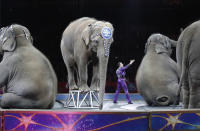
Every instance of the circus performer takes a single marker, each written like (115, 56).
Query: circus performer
(121, 82)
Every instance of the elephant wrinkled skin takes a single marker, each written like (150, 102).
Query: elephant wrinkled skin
(87, 40)
(27, 76)
(188, 60)
(157, 77)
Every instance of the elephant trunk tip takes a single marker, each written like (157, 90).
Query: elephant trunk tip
(163, 100)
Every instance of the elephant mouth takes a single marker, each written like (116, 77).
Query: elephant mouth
(162, 100)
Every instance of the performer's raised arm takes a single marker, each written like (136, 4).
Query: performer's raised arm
(125, 67)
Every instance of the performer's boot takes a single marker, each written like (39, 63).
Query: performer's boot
(130, 102)
(116, 96)
(128, 98)
(115, 99)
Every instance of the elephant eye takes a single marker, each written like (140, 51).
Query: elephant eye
(162, 43)
(96, 41)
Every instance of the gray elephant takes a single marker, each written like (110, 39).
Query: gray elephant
(188, 60)
(26, 74)
(87, 40)
(157, 76)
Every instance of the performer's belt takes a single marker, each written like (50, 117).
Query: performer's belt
(119, 76)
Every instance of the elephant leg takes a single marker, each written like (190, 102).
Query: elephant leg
(76, 75)
(194, 101)
(186, 94)
(117, 92)
(95, 78)
(71, 80)
(70, 70)
(82, 69)
(10, 100)
(124, 86)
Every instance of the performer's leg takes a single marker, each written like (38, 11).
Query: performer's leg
(117, 92)
(124, 86)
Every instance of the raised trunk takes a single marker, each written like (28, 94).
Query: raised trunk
(103, 61)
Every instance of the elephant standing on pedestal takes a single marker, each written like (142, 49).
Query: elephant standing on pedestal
(157, 76)
(84, 40)
(26, 74)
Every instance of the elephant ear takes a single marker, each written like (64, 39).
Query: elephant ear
(160, 49)
(31, 39)
(28, 35)
(166, 42)
(10, 43)
(147, 45)
(86, 35)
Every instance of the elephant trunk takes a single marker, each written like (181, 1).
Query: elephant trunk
(162, 100)
(103, 61)
(173, 42)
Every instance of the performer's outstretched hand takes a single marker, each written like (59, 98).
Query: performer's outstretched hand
(131, 61)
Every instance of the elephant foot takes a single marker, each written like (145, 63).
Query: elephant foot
(185, 106)
(73, 87)
(100, 106)
(176, 102)
(84, 88)
(95, 88)
(163, 100)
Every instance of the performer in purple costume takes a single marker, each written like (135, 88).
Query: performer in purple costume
(121, 82)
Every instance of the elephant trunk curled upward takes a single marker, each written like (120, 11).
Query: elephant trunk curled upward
(84, 40)
(26, 74)
(157, 77)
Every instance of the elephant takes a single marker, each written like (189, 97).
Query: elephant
(157, 76)
(27, 76)
(188, 61)
(87, 40)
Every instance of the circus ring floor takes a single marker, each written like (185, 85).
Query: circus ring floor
(114, 117)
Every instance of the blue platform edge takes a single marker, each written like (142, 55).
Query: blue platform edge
(77, 120)
(107, 96)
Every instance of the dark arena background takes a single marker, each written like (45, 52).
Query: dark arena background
(134, 21)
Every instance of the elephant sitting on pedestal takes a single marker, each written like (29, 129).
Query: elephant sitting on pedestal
(87, 40)
(25, 73)
(157, 76)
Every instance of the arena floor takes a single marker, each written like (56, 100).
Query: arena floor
(136, 116)
(122, 105)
